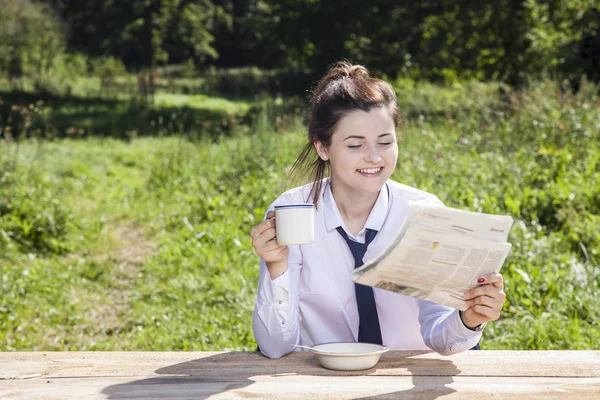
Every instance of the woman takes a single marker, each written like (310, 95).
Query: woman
(305, 293)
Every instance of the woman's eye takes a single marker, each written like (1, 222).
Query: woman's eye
(354, 146)
(386, 143)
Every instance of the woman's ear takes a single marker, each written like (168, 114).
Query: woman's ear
(321, 150)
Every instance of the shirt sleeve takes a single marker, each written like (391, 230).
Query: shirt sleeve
(275, 318)
(443, 330)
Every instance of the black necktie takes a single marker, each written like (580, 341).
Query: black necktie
(368, 327)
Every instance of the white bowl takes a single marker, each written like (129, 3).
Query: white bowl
(348, 356)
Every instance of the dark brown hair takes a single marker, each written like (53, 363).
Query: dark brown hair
(344, 89)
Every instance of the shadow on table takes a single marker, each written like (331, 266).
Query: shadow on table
(425, 387)
(197, 380)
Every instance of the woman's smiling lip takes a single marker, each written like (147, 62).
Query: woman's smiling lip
(363, 171)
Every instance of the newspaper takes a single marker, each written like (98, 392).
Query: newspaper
(439, 254)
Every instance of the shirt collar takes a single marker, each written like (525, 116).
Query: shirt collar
(333, 218)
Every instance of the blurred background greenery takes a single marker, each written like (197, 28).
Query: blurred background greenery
(141, 140)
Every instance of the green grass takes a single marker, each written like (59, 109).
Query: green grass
(63, 116)
(82, 107)
(200, 101)
(144, 244)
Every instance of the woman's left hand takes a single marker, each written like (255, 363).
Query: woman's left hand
(484, 301)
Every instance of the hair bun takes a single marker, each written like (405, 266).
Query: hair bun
(344, 69)
(339, 71)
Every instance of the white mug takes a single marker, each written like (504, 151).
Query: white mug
(295, 223)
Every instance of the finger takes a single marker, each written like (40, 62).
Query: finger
(263, 238)
(259, 229)
(273, 245)
(271, 214)
(494, 303)
(484, 290)
(493, 278)
(276, 252)
(490, 314)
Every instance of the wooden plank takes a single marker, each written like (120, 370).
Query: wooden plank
(244, 364)
(302, 387)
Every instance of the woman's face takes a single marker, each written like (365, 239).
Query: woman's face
(363, 150)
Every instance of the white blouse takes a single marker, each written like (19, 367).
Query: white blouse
(314, 301)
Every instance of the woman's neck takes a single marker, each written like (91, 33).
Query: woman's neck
(354, 206)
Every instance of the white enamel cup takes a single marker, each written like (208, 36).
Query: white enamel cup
(295, 223)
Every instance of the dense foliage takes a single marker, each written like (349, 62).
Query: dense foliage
(508, 40)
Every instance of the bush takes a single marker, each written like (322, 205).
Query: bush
(418, 98)
(108, 69)
(30, 39)
(32, 219)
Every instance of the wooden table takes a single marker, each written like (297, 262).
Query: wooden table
(239, 375)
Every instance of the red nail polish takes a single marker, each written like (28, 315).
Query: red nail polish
(480, 280)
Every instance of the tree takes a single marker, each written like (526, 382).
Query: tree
(30, 38)
(449, 40)
(142, 32)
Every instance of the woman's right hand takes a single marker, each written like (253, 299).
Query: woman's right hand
(264, 240)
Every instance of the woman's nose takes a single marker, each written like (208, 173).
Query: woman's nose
(373, 155)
